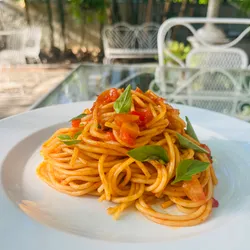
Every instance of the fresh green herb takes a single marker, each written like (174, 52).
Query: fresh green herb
(186, 143)
(150, 152)
(187, 168)
(71, 142)
(66, 139)
(77, 134)
(78, 117)
(190, 130)
(124, 102)
(99, 126)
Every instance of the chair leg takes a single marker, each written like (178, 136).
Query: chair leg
(38, 60)
(23, 60)
(107, 60)
(33, 60)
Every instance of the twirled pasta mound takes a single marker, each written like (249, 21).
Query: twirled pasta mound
(133, 149)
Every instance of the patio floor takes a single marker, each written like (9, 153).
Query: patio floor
(21, 86)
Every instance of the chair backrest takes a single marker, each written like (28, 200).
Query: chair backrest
(147, 36)
(119, 36)
(203, 57)
(188, 23)
(16, 40)
(127, 37)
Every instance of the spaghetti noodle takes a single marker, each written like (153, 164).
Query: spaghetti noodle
(95, 157)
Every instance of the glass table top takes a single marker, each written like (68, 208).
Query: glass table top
(222, 90)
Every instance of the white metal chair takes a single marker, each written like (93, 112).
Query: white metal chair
(208, 55)
(21, 44)
(213, 86)
(32, 45)
(214, 89)
(188, 23)
(203, 57)
(126, 41)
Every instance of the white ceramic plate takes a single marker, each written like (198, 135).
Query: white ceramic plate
(33, 216)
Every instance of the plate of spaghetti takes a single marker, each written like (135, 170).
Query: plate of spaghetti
(127, 170)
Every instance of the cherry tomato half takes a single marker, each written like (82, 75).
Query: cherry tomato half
(110, 135)
(107, 96)
(129, 132)
(76, 123)
(145, 116)
(215, 203)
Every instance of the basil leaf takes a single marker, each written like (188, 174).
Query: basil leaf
(186, 143)
(78, 117)
(149, 152)
(190, 130)
(124, 102)
(187, 168)
(64, 137)
(77, 134)
(71, 142)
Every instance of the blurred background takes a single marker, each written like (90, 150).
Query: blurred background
(43, 42)
(71, 30)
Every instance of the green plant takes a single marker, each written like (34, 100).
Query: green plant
(177, 49)
(244, 5)
(98, 6)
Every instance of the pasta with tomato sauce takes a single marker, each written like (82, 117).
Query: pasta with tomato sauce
(133, 149)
